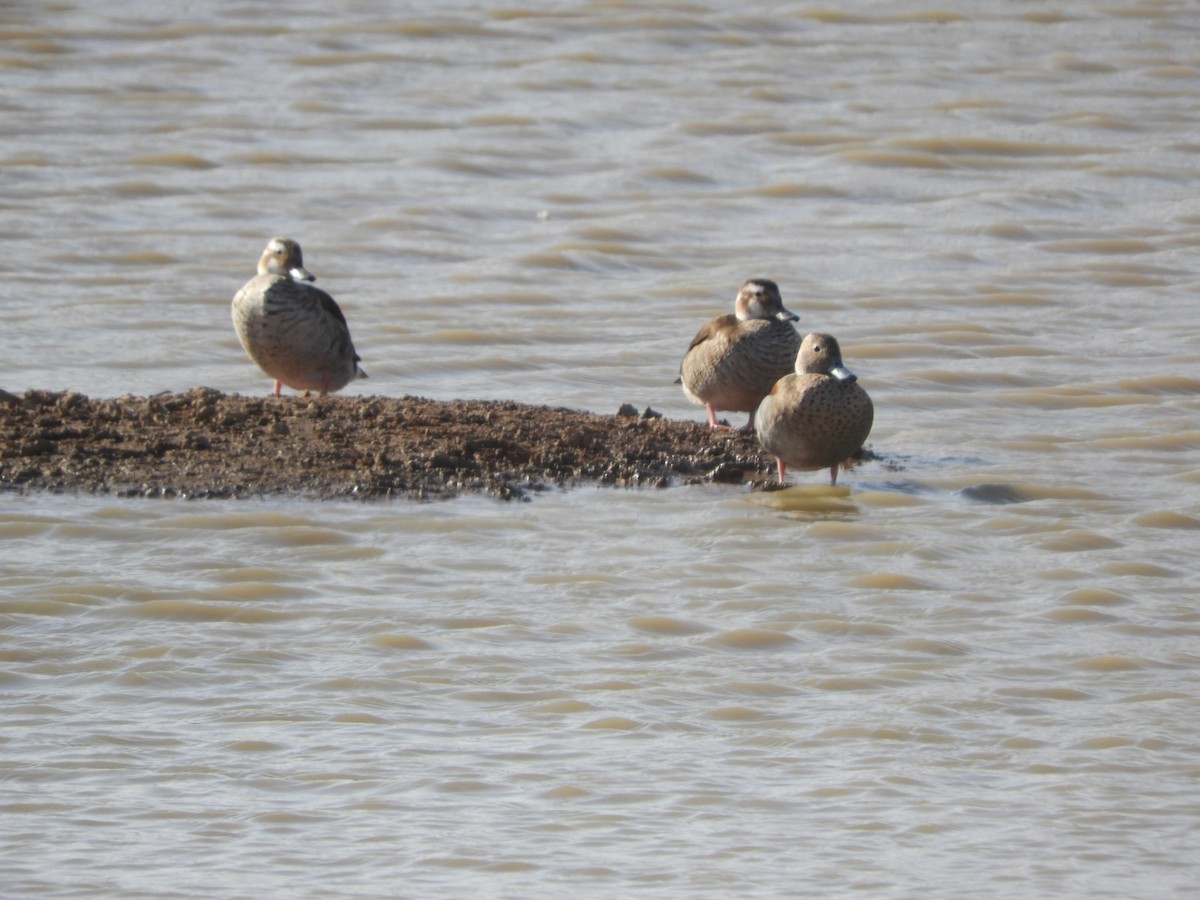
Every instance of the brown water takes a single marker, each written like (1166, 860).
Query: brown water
(968, 671)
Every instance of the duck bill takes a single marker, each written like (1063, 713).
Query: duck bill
(299, 273)
(784, 316)
(841, 373)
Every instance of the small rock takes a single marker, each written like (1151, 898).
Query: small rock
(38, 447)
(726, 473)
(193, 441)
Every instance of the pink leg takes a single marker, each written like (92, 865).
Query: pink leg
(748, 428)
(278, 386)
(833, 475)
(782, 471)
(712, 416)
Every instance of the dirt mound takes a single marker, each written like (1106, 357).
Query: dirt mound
(208, 444)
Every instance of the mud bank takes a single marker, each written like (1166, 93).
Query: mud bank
(207, 444)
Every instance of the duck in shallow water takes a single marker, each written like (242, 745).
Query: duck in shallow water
(295, 332)
(817, 416)
(734, 360)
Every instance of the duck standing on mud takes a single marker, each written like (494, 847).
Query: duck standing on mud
(734, 360)
(295, 332)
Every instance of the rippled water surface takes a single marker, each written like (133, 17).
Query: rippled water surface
(969, 670)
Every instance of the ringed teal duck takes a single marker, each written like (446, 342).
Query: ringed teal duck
(295, 332)
(734, 359)
(817, 416)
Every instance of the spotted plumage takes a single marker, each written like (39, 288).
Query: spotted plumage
(295, 332)
(735, 359)
(817, 416)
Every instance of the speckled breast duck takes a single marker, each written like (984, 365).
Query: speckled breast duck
(818, 416)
